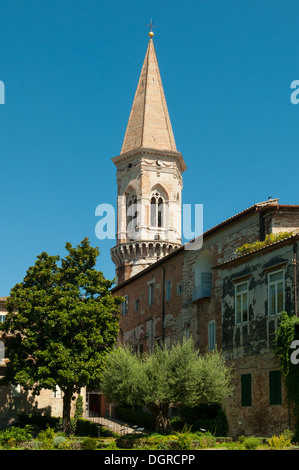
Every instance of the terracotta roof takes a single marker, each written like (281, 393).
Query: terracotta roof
(260, 206)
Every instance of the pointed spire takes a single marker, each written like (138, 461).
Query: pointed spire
(149, 123)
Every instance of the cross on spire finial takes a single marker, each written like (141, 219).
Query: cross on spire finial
(151, 26)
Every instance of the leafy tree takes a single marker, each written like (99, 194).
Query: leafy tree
(287, 332)
(166, 378)
(61, 322)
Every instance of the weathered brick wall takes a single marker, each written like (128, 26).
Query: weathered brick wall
(145, 325)
(261, 418)
(249, 346)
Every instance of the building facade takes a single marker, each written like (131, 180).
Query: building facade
(218, 296)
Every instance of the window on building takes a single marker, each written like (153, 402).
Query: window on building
(15, 390)
(275, 292)
(212, 336)
(274, 387)
(151, 293)
(186, 334)
(246, 399)
(241, 302)
(168, 287)
(132, 214)
(125, 305)
(179, 288)
(57, 392)
(157, 205)
(137, 305)
(2, 317)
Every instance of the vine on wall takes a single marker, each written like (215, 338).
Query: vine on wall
(286, 333)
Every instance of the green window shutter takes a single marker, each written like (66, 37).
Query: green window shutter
(246, 390)
(275, 387)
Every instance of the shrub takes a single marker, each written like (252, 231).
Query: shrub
(206, 440)
(279, 442)
(46, 438)
(251, 443)
(14, 435)
(135, 416)
(60, 442)
(89, 443)
(86, 428)
(41, 421)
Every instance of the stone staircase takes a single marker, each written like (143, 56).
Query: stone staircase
(114, 425)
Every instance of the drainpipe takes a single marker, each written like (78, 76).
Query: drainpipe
(295, 278)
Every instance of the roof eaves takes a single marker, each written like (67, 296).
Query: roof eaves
(253, 252)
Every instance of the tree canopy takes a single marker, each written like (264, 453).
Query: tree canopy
(61, 323)
(166, 378)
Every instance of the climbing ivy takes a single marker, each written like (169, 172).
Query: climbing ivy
(286, 333)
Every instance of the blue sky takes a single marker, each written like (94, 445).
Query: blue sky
(70, 69)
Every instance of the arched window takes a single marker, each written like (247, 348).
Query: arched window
(131, 213)
(157, 203)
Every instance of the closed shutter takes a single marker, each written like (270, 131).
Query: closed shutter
(275, 387)
(246, 390)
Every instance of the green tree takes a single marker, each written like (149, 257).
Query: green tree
(287, 332)
(62, 321)
(166, 378)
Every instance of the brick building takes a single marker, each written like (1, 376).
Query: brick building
(219, 297)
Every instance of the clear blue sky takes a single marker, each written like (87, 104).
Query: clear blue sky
(70, 69)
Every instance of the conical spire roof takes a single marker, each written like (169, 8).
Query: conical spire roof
(149, 123)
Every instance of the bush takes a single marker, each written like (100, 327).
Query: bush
(15, 435)
(135, 416)
(279, 442)
(41, 421)
(46, 438)
(205, 440)
(86, 428)
(60, 442)
(211, 418)
(89, 443)
(251, 443)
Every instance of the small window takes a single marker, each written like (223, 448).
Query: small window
(275, 387)
(57, 392)
(151, 293)
(186, 334)
(241, 302)
(2, 318)
(179, 288)
(275, 292)
(212, 337)
(125, 305)
(246, 399)
(168, 287)
(137, 305)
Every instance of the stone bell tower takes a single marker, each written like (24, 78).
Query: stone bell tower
(149, 178)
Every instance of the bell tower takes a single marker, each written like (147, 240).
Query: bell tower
(149, 178)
